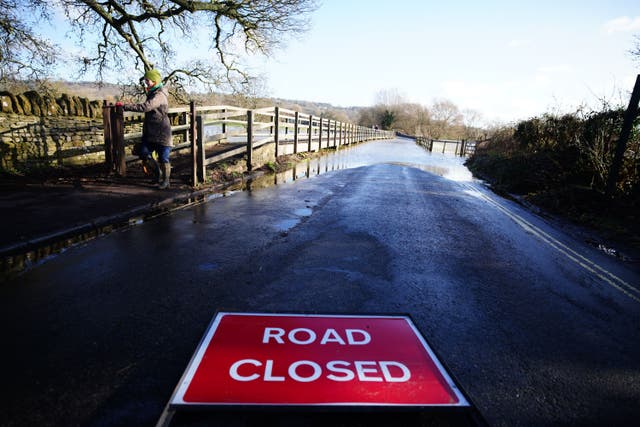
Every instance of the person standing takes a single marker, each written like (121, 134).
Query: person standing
(156, 128)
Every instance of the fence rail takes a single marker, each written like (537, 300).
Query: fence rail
(463, 147)
(214, 133)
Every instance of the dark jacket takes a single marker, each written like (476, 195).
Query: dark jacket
(156, 127)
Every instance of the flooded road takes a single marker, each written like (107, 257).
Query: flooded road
(403, 152)
(536, 327)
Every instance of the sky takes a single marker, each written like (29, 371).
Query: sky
(508, 60)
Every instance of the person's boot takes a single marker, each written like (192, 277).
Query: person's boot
(166, 174)
(151, 168)
(160, 175)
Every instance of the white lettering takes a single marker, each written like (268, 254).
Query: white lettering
(276, 333)
(332, 336)
(362, 371)
(305, 336)
(317, 371)
(268, 369)
(295, 340)
(333, 367)
(233, 371)
(384, 367)
(305, 371)
(365, 337)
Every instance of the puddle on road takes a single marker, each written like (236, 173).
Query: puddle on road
(286, 224)
(303, 212)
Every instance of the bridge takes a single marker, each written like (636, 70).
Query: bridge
(214, 133)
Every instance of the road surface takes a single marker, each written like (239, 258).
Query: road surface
(536, 327)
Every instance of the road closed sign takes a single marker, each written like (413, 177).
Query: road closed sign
(277, 359)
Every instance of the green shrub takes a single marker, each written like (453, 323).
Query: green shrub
(563, 163)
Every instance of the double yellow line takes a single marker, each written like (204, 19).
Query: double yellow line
(605, 275)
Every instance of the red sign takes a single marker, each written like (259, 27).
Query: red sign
(272, 359)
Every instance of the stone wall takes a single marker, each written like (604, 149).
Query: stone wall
(263, 155)
(28, 142)
(40, 132)
(31, 103)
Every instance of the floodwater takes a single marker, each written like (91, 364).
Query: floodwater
(404, 152)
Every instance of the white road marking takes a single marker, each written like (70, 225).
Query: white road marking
(589, 265)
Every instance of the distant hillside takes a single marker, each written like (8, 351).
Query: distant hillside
(90, 90)
(111, 92)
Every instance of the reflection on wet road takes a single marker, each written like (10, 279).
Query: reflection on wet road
(400, 152)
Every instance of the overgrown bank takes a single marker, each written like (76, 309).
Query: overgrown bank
(562, 163)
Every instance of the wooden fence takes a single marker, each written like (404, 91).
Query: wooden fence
(462, 147)
(214, 133)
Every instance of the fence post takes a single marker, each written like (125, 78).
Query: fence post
(184, 117)
(192, 140)
(201, 168)
(295, 133)
(310, 132)
(327, 128)
(108, 142)
(345, 139)
(335, 132)
(320, 135)
(224, 121)
(249, 140)
(276, 129)
(117, 136)
(347, 133)
(625, 132)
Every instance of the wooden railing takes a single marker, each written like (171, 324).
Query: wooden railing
(462, 147)
(214, 133)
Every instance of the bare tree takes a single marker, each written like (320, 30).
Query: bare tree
(142, 34)
(470, 121)
(369, 116)
(635, 51)
(445, 117)
(23, 53)
(390, 97)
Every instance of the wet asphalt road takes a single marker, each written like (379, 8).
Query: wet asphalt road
(535, 327)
